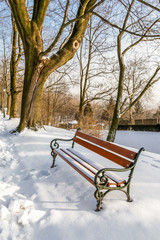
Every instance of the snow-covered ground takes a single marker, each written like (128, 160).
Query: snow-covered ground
(40, 203)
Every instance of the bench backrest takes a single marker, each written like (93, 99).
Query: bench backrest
(106, 149)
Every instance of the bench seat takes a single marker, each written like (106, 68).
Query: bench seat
(86, 168)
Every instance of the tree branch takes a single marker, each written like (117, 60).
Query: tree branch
(82, 13)
(90, 10)
(135, 43)
(53, 44)
(21, 17)
(39, 12)
(119, 28)
(127, 15)
(148, 85)
(20, 50)
(149, 5)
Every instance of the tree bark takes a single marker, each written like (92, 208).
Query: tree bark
(32, 94)
(8, 103)
(13, 69)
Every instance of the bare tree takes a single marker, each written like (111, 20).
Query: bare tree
(57, 105)
(91, 70)
(119, 111)
(139, 27)
(40, 63)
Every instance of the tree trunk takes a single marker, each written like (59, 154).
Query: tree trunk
(32, 94)
(114, 125)
(117, 110)
(14, 93)
(8, 103)
(48, 108)
(13, 70)
(13, 107)
(2, 98)
(81, 114)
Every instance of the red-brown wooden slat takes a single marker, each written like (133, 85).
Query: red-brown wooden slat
(78, 170)
(104, 153)
(110, 146)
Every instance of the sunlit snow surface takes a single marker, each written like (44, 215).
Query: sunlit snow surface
(40, 203)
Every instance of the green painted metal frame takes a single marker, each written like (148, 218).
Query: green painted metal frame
(101, 179)
(55, 145)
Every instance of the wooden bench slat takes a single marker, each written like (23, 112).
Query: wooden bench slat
(120, 150)
(104, 153)
(70, 161)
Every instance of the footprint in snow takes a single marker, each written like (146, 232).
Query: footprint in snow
(153, 165)
(144, 161)
(43, 174)
(35, 174)
(158, 161)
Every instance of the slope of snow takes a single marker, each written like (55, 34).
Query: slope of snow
(38, 203)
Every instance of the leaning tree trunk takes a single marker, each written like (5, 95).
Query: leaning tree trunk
(117, 110)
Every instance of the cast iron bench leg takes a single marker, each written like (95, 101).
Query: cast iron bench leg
(99, 197)
(129, 199)
(54, 155)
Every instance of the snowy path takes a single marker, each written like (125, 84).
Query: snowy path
(16, 210)
(6, 148)
(39, 203)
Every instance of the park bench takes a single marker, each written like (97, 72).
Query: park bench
(104, 179)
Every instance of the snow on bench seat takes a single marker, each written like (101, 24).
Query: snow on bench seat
(78, 167)
(115, 178)
(87, 167)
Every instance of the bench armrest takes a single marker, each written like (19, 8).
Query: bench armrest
(54, 144)
(101, 178)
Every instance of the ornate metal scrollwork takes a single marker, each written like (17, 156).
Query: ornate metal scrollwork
(101, 183)
(102, 187)
(101, 179)
(99, 195)
(54, 144)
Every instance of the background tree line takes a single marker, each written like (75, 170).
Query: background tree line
(106, 49)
